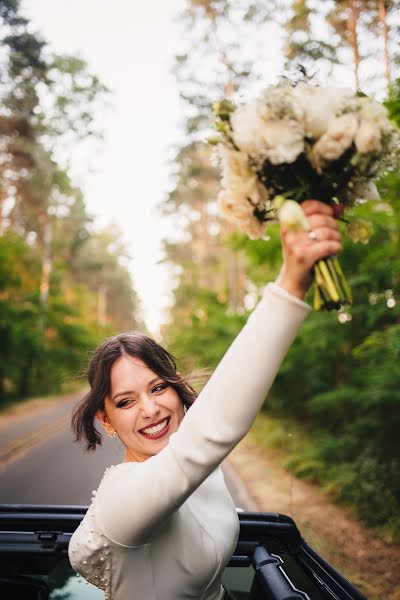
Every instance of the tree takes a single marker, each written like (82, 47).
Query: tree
(204, 263)
(303, 43)
(63, 285)
(343, 362)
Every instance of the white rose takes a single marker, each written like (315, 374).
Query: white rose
(284, 141)
(373, 111)
(261, 196)
(236, 170)
(239, 210)
(235, 205)
(247, 129)
(337, 139)
(254, 228)
(368, 138)
(320, 107)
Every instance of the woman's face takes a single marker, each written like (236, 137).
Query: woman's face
(142, 408)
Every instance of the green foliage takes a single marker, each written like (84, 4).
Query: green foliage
(338, 388)
(63, 285)
(393, 105)
(34, 360)
(341, 382)
(206, 331)
(42, 346)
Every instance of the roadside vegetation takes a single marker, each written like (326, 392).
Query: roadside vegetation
(339, 385)
(64, 284)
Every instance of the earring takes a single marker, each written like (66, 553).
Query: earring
(112, 434)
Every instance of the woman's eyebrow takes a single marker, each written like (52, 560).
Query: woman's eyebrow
(132, 391)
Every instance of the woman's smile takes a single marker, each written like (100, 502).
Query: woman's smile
(156, 430)
(141, 407)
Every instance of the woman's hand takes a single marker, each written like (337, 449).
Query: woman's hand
(301, 252)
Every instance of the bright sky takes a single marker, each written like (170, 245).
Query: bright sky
(130, 45)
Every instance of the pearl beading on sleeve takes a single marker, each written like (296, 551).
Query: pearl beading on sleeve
(93, 556)
(215, 424)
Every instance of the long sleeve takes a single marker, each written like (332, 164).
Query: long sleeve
(135, 499)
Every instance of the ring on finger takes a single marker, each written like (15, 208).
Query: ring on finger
(313, 235)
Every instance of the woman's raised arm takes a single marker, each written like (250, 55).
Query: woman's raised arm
(134, 499)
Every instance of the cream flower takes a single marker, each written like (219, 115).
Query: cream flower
(236, 170)
(247, 129)
(238, 208)
(254, 228)
(320, 107)
(337, 139)
(235, 205)
(257, 131)
(368, 138)
(284, 141)
(374, 112)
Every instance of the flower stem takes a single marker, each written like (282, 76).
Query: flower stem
(330, 286)
(335, 277)
(331, 290)
(346, 286)
(317, 298)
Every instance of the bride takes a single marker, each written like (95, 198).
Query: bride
(162, 524)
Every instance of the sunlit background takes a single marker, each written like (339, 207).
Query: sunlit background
(131, 47)
(103, 234)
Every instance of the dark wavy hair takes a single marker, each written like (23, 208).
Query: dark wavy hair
(137, 345)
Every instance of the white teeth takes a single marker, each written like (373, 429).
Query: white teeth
(156, 428)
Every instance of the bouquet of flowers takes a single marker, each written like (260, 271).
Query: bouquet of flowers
(299, 142)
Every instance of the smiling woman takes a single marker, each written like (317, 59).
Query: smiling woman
(134, 387)
(146, 414)
(162, 524)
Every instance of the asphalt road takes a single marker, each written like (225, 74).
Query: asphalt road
(40, 464)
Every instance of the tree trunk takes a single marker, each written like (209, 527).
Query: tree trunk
(47, 264)
(102, 305)
(353, 40)
(2, 199)
(236, 274)
(385, 29)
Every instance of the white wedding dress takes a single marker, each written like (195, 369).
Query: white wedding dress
(165, 529)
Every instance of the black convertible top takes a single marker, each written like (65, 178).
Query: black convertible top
(37, 536)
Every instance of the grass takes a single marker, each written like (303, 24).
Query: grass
(297, 451)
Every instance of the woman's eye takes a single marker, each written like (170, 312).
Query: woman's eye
(125, 402)
(160, 387)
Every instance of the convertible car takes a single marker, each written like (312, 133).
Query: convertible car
(271, 561)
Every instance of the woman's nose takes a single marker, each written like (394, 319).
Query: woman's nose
(150, 407)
